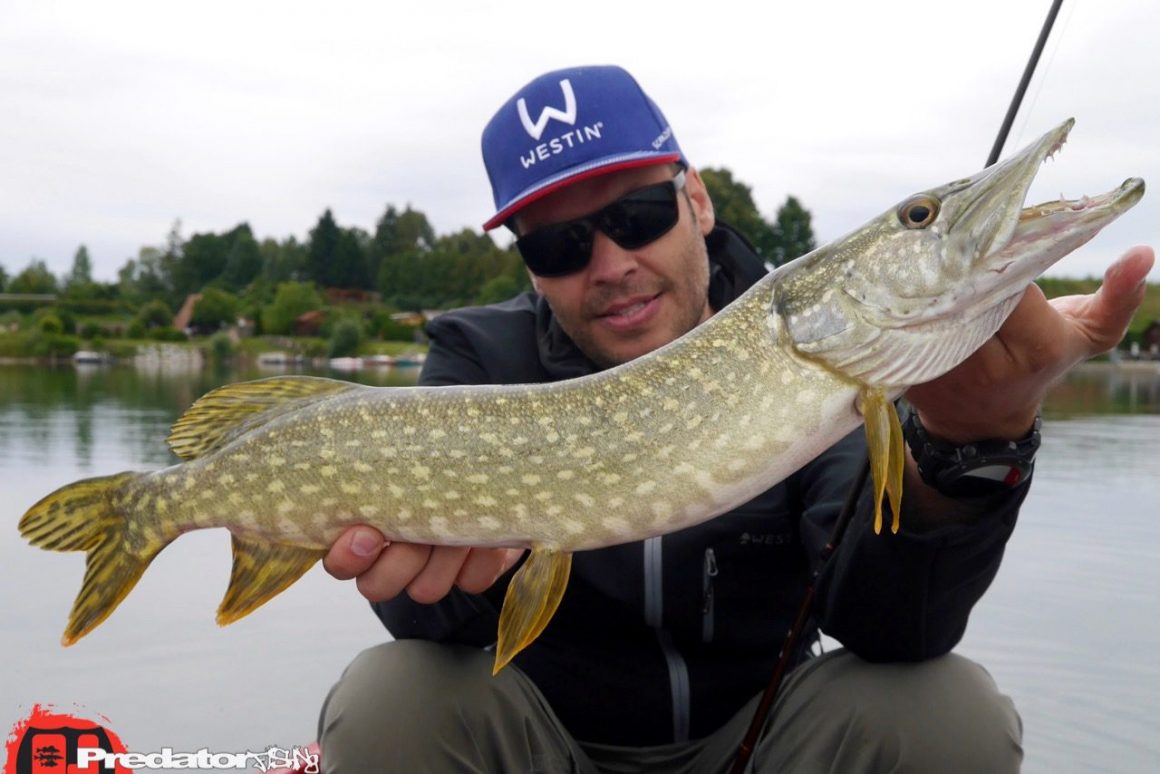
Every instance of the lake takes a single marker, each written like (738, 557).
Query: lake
(1070, 628)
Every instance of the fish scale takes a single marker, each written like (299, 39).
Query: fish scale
(664, 442)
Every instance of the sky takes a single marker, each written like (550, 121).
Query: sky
(118, 119)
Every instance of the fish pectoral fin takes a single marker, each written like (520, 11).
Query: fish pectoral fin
(531, 600)
(886, 450)
(261, 571)
(228, 412)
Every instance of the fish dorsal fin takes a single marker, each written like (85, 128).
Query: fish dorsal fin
(531, 600)
(887, 455)
(261, 571)
(224, 414)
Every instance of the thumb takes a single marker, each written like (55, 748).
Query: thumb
(1104, 316)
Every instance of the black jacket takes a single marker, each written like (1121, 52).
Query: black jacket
(664, 640)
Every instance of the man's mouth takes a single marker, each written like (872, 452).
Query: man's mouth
(629, 312)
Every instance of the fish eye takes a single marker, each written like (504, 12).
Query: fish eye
(918, 211)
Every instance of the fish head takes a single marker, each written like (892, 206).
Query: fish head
(914, 292)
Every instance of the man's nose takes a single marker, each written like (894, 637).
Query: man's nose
(610, 262)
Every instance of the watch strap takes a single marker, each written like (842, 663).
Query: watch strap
(975, 469)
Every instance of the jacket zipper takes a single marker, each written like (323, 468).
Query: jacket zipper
(678, 669)
(708, 603)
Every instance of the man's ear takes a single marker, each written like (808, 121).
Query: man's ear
(699, 200)
(535, 280)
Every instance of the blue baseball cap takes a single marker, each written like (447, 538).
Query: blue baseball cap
(568, 125)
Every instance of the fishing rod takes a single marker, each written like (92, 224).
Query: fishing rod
(792, 639)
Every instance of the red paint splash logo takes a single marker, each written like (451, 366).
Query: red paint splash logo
(46, 742)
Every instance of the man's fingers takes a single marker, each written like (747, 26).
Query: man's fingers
(396, 567)
(484, 566)
(1102, 318)
(437, 577)
(354, 552)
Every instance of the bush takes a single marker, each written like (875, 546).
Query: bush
(221, 347)
(89, 331)
(155, 314)
(167, 333)
(42, 344)
(290, 300)
(345, 339)
(136, 330)
(389, 330)
(50, 324)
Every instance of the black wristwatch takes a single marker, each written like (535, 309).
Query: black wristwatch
(976, 469)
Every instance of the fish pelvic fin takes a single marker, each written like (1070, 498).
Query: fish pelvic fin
(886, 450)
(223, 415)
(261, 571)
(531, 600)
(86, 516)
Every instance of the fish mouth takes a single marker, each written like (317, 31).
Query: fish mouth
(1009, 238)
(1046, 232)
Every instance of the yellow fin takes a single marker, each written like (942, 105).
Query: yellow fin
(261, 571)
(83, 516)
(887, 454)
(531, 600)
(224, 414)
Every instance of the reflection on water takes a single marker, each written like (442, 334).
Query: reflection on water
(1070, 627)
(1097, 388)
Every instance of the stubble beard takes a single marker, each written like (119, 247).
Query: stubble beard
(689, 298)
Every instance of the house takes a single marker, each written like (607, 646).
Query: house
(1150, 341)
(309, 323)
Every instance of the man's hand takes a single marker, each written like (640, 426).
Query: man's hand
(996, 392)
(427, 573)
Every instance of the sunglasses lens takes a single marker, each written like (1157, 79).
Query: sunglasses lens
(632, 221)
(555, 251)
(640, 218)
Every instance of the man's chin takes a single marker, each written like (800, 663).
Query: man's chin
(613, 353)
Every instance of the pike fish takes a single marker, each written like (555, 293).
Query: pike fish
(664, 442)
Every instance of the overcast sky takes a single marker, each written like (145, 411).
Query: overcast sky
(118, 118)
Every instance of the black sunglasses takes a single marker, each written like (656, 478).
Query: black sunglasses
(632, 221)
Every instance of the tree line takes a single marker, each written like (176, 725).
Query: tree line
(403, 260)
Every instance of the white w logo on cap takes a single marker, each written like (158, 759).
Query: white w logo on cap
(567, 115)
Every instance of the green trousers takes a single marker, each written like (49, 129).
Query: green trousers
(413, 706)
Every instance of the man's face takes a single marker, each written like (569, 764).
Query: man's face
(626, 303)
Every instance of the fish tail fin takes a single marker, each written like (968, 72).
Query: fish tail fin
(85, 516)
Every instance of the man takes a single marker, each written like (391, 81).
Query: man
(659, 649)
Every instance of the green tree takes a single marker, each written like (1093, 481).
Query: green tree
(345, 338)
(35, 278)
(81, 275)
(398, 234)
(3, 280)
(243, 259)
(290, 300)
(215, 309)
(203, 258)
(154, 314)
(283, 261)
(143, 278)
(320, 250)
(733, 203)
(793, 233)
(497, 289)
(349, 268)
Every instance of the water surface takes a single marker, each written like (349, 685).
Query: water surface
(1070, 628)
